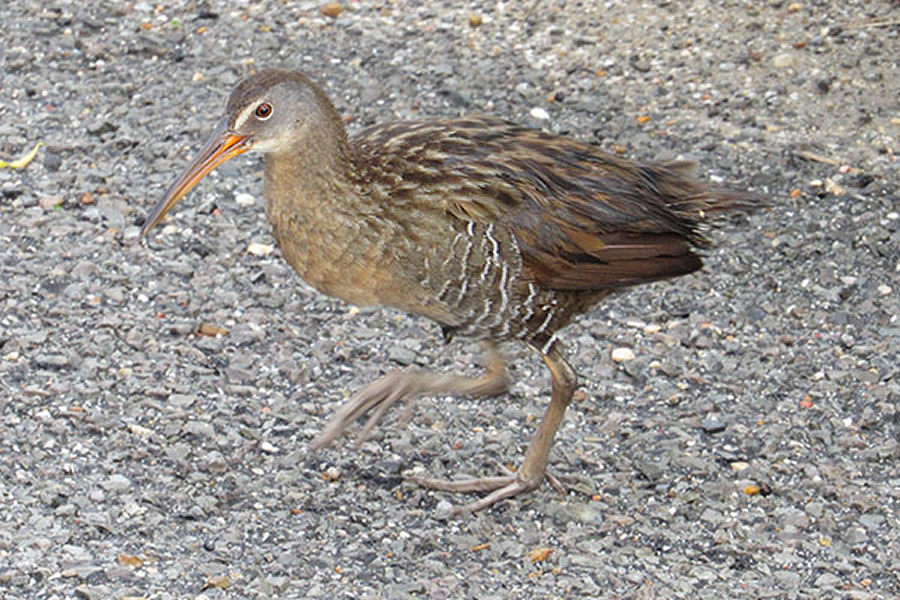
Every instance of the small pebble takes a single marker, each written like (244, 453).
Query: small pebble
(52, 161)
(332, 9)
(622, 354)
(443, 510)
(713, 426)
(884, 290)
(783, 61)
(117, 483)
(245, 199)
(50, 202)
(539, 113)
(260, 249)
(401, 355)
(51, 361)
(331, 474)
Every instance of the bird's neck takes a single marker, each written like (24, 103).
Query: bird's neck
(314, 173)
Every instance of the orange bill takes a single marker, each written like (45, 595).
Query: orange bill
(221, 146)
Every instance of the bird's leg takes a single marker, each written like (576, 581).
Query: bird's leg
(533, 469)
(378, 397)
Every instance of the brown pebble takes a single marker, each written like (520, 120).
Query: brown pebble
(332, 9)
(475, 20)
(211, 330)
(539, 554)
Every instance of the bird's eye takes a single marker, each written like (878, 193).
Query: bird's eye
(263, 111)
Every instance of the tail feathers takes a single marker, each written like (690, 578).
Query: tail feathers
(677, 182)
(720, 199)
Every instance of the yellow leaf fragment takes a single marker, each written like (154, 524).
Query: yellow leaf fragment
(23, 162)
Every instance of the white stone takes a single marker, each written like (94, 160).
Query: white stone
(783, 61)
(260, 249)
(622, 354)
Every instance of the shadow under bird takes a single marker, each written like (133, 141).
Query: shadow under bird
(495, 231)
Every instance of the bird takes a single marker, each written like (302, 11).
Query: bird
(495, 231)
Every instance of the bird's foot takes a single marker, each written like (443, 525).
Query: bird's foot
(500, 488)
(379, 396)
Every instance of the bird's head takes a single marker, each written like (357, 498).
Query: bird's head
(268, 112)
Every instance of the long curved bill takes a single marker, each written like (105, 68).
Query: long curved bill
(221, 146)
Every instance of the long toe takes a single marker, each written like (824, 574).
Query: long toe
(500, 488)
(514, 488)
(464, 486)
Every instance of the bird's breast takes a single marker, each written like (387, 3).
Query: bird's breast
(331, 255)
(322, 238)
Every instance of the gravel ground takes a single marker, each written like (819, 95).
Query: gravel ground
(749, 450)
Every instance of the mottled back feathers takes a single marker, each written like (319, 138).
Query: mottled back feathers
(584, 219)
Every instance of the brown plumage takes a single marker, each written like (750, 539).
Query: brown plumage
(496, 231)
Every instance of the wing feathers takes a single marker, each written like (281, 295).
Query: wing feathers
(583, 219)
